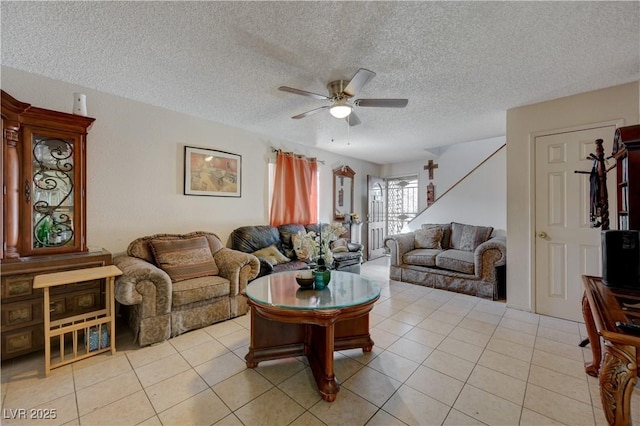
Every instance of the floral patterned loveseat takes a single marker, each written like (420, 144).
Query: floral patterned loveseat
(451, 256)
(176, 283)
(274, 247)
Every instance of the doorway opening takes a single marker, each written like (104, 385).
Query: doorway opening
(402, 202)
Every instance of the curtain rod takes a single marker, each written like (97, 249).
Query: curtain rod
(278, 150)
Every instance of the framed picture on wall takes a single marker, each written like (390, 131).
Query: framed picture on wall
(212, 173)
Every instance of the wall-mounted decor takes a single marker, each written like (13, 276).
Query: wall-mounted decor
(211, 172)
(431, 166)
(431, 194)
(342, 192)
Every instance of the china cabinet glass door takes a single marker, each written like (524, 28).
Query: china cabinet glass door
(50, 191)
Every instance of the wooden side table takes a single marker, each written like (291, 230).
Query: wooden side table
(615, 364)
(88, 323)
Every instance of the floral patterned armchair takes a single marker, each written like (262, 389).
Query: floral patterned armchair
(175, 283)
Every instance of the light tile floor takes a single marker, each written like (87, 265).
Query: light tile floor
(440, 358)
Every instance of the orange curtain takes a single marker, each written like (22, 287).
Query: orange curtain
(295, 192)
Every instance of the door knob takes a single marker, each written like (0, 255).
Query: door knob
(542, 234)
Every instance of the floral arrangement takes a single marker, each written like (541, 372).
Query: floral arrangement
(355, 218)
(310, 246)
(333, 231)
(306, 245)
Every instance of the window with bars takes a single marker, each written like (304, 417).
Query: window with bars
(402, 202)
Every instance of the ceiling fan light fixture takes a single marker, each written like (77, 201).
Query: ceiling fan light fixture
(343, 91)
(340, 109)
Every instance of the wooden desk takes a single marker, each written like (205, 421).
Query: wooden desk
(617, 368)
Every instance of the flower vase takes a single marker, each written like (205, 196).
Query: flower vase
(322, 278)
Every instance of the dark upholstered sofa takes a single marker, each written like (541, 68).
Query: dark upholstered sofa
(250, 239)
(451, 256)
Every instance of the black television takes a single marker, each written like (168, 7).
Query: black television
(621, 258)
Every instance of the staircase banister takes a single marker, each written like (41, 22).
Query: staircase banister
(456, 184)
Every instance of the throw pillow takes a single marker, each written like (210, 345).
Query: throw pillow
(340, 246)
(272, 255)
(428, 238)
(468, 237)
(445, 242)
(286, 233)
(183, 259)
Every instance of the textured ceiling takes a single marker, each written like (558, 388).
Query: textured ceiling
(460, 64)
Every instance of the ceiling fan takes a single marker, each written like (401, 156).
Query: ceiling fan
(340, 93)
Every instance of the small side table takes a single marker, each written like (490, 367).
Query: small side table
(615, 364)
(100, 320)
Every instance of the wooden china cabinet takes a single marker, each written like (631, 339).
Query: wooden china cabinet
(626, 151)
(43, 221)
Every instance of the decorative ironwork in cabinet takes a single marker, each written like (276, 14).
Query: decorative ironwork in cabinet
(49, 189)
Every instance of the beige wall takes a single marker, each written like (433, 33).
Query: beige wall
(454, 162)
(606, 105)
(135, 166)
(479, 199)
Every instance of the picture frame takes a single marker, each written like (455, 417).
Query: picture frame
(213, 173)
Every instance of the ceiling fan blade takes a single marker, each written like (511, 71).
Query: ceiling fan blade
(360, 78)
(382, 103)
(308, 113)
(352, 119)
(303, 93)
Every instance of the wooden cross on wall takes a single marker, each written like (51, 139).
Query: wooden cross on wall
(431, 166)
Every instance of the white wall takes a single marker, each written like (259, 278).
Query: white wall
(135, 166)
(480, 199)
(614, 103)
(454, 162)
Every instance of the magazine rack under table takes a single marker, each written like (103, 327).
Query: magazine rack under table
(100, 320)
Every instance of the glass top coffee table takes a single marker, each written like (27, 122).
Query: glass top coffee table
(288, 321)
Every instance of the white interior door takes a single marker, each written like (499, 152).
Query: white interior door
(566, 247)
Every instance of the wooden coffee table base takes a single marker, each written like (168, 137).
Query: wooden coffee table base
(282, 333)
